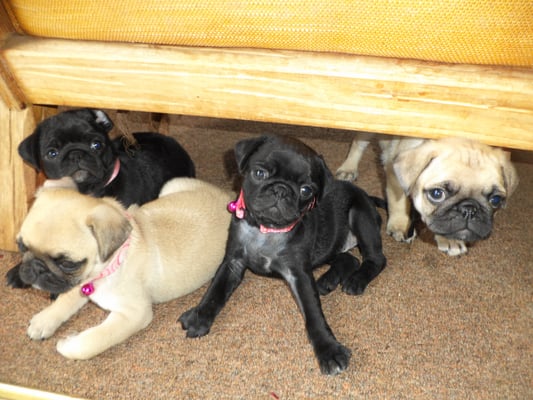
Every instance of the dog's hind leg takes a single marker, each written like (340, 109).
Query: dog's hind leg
(341, 268)
(366, 227)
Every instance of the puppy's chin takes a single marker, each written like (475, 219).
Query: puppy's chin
(275, 213)
(53, 284)
(466, 234)
(274, 217)
(80, 176)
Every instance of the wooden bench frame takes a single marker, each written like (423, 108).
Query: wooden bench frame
(400, 97)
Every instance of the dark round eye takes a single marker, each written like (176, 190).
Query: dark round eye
(69, 266)
(260, 174)
(306, 191)
(496, 201)
(52, 153)
(96, 145)
(436, 195)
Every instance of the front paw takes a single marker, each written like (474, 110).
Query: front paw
(195, 324)
(452, 247)
(333, 359)
(400, 233)
(43, 325)
(73, 347)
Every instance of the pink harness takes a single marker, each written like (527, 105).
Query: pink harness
(88, 288)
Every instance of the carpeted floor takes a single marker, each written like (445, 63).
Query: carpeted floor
(430, 326)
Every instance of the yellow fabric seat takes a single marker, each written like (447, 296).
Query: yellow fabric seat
(496, 32)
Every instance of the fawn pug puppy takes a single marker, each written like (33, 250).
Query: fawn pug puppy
(124, 260)
(456, 185)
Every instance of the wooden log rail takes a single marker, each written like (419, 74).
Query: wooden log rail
(493, 105)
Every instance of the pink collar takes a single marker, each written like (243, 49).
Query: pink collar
(238, 207)
(116, 170)
(88, 288)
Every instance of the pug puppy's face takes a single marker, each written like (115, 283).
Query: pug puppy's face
(64, 236)
(74, 143)
(279, 183)
(456, 186)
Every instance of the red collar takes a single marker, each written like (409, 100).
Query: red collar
(238, 207)
(116, 170)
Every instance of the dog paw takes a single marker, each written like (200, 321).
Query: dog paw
(328, 282)
(43, 325)
(400, 235)
(334, 359)
(73, 347)
(355, 285)
(341, 268)
(451, 247)
(401, 228)
(346, 175)
(194, 324)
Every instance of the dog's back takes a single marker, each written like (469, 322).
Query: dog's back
(187, 228)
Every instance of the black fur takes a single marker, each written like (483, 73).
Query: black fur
(278, 173)
(76, 143)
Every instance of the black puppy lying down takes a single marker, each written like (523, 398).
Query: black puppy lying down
(292, 216)
(76, 143)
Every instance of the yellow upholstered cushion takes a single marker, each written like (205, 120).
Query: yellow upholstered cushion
(457, 31)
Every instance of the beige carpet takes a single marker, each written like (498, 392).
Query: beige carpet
(430, 326)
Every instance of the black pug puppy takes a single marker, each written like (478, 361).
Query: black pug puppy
(292, 216)
(76, 143)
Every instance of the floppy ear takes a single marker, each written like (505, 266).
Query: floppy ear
(110, 227)
(245, 148)
(29, 150)
(323, 174)
(510, 177)
(409, 164)
(102, 119)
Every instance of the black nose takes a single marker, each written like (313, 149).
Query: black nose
(75, 155)
(39, 266)
(30, 271)
(468, 209)
(280, 191)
